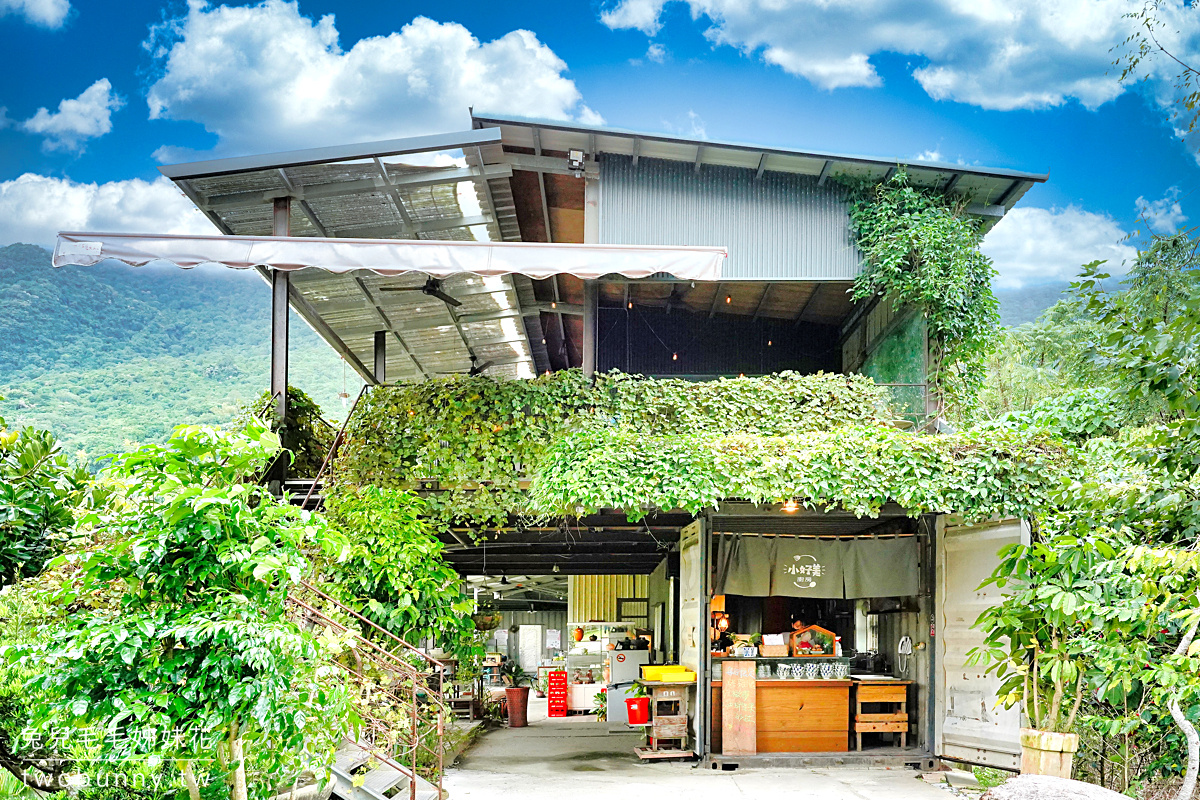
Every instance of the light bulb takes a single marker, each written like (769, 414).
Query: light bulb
(728, 299)
(674, 356)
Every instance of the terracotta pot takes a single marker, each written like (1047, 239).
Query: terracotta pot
(1047, 753)
(518, 706)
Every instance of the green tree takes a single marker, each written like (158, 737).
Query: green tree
(38, 488)
(394, 573)
(197, 659)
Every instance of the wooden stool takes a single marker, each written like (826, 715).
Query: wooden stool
(894, 693)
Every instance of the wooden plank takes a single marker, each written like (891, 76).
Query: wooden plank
(880, 727)
(674, 727)
(715, 728)
(899, 716)
(738, 703)
(646, 753)
(803, 708)
(881, 694)
(803, 742)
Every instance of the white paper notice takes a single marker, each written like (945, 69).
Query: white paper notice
(553, 639)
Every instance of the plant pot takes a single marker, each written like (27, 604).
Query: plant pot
(1047, 753)
(518, 706)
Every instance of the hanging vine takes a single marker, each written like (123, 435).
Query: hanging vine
(482, 440)
(561, 445)
(920, 248)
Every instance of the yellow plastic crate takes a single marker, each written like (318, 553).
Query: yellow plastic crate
(667, 672)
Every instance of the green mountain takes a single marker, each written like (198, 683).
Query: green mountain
(107, 356)
(1018, 306)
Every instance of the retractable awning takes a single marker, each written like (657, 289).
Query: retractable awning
(347, 290)
(393, 256)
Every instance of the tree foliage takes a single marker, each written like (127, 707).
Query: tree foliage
(394, 573)
(1104, 600)
(195, 657)
(38, 488)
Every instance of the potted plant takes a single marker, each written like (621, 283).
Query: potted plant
(1036, 640)
(516, 691)
(600, 705)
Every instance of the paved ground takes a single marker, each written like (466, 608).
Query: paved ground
(578, 759)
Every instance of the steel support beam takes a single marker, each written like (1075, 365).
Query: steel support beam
(718, 298)
(762, 302)
(280, 226)
(807, 303)
(825, 168)
(591, 301)
(381, 356)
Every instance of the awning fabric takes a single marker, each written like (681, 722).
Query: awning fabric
(808, 568)
(393, 256)
(758, 566)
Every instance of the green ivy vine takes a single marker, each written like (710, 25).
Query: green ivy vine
(973, 475)
(920, 247)
(307, 435)
(561, 445)
(482, 440)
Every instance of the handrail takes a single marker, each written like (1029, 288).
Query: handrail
(386, 654)
(410, 741)
(333, 446)
(343, 607)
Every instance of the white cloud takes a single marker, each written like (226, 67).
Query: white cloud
(997, 55)
(33, 208)
(1041, 245)
(1164, 215)
(932, 154)
(656, 53)
(265, 77)
(642, 15)
(45, 13)
(77, 119)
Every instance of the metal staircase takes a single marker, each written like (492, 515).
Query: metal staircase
(397, 691)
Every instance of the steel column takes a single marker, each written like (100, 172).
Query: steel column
(280, 284)
(591, 300)
(380, 366)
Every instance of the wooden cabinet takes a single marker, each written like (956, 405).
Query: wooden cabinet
(793, 716)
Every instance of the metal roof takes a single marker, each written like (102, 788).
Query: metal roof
(992, 191)
(414, 188)
(464, 186)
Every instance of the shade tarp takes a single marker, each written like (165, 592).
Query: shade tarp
(393, 256)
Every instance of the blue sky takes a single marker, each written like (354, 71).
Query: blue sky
(1013, 86)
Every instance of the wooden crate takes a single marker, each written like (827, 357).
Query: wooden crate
(674, 727)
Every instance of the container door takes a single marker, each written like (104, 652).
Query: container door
(969, 725)
(693, 627)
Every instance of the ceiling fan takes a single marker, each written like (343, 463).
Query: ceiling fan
(476, 368)
(432, 287)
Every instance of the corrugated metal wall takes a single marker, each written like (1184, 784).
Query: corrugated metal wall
(594, 597)
(777, 227)
(556, 620)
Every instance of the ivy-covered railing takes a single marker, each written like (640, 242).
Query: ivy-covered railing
(562, 445)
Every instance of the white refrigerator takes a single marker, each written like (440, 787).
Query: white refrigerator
(624, 667)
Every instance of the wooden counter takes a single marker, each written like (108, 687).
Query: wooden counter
(791, 716)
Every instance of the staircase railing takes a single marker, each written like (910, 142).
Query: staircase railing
(414, 697)
(333, 446)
